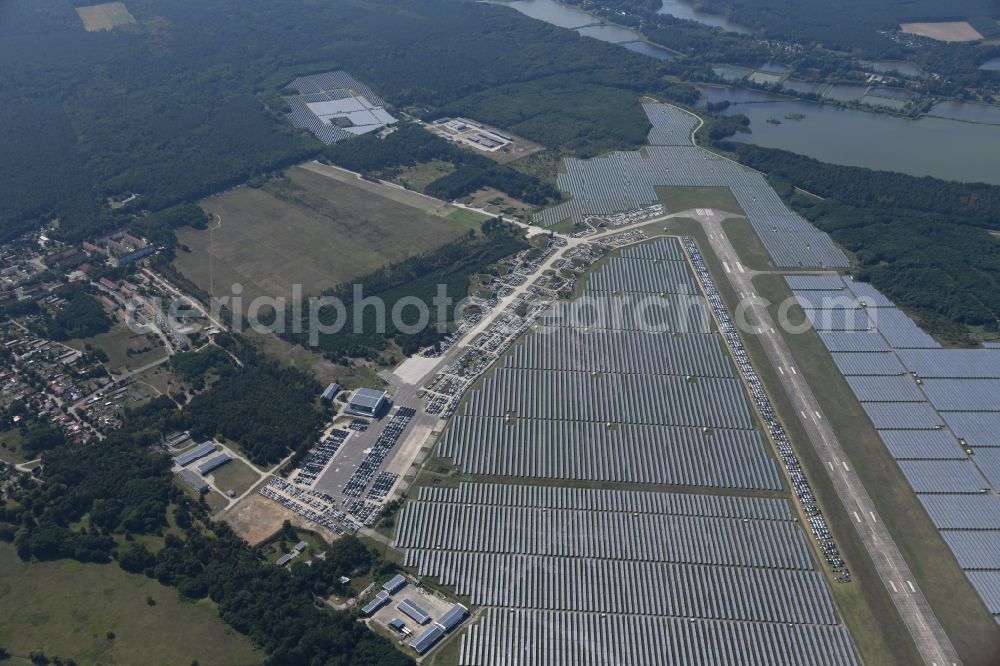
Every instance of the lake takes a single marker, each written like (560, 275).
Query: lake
(550, 11)
(925, 147)
(651, 50)
(991, 65)
(682, 10)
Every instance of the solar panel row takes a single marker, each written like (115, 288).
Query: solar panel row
(633, 587)
(603, 534)
(588, 639)
(629, 352)
(594, 499)
(583, 451)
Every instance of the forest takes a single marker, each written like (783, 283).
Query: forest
(925, 243)
(82, 316)
(183, 103)
(411, 145)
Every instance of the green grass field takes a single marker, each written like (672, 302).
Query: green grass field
(126, 350)
(235, 475)
(466, 219)
(307, 229)
(10, 446)
(66, 609)
(680, 199)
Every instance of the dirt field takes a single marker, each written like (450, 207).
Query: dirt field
(952, 31)
(255, 518)
(104, 17)
(311, 229)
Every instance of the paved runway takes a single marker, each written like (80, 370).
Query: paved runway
(933, 644)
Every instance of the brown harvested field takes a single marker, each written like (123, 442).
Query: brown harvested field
(317, 227)
(104, 16)
(948, 31)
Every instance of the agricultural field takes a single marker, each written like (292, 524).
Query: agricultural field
(946, 31)
(67, 609)
(126, 350)
(106, 16)
(309, 229)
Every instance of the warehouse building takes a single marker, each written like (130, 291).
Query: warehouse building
(427, 639)
(394, 584)
(199, 451)
(454, 617)
(331, 392)
(193, 480)
(413, 611)
(214, 463)
(367, 402)
(381, 599)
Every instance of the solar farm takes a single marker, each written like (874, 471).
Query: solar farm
(628, 507)
(335, 106)
(624, 181)
(936, 410)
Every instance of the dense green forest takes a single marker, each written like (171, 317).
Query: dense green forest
(418, 277)
(82, 316)
(411, 145)
(925, 242)
(184, 103)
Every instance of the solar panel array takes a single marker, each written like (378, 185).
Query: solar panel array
(568, 639)
(929, 405)
(330, 87)
(619, 404)
(624, 181)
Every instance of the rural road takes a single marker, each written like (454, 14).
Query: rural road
(932, 643)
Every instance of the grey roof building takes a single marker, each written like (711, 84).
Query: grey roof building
(199, 451)
(367, 402)
(427, 638)
(331, 391)
(214, 463)
(381, 599)
(454, 617)
(394, 584)
(413, 611)
(193, 480)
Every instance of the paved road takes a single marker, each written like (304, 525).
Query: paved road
(933, 644)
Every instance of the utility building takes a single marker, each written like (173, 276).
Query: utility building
(368, 402)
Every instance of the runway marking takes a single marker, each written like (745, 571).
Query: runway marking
(740, 266)
(772, 331)
(818, 415)
(830, 464)
(912, 589)
(792, 368)
(893, 585)
(845, 466)
(804, 415)
(781, 370)
(856, 516)
(726, 266)
(872, 514)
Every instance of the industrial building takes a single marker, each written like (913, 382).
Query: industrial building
(193, 480)
(381, 599)
(214, 463)
(413, 611)
(331, 392)
(454, 617)
(199, 451)
(367, 402)
(394, 584)
(427, 638)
